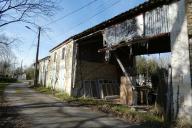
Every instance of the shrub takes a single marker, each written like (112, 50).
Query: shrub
(7, 80)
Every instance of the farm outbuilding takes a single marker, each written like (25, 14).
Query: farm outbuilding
(100, 62)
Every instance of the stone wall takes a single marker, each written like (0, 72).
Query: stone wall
(189, 21)
(94, 71)
(61, 69)
(189, 25)
(189, 16)
(43, 71)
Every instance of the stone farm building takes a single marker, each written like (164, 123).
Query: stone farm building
(95, 62)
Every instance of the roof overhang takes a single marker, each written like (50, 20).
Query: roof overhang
(45, 58)
(131, 42)
(61, 44)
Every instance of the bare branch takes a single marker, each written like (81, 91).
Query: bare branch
(12, 11)
(4, 40)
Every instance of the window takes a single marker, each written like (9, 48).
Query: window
(63, 53)
(55, 55)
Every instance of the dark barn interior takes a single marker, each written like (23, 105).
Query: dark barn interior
(97, 78)
(94, 77)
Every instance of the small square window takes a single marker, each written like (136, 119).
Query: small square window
(63, 53)
(55, 57)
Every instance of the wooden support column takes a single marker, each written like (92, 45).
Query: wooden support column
(74, 63)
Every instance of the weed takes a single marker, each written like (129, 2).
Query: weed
(19, 91)
(2, 88)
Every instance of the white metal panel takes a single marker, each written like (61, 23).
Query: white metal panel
(124, 31)
(156, 21)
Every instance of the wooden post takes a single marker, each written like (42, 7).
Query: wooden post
(169, 107)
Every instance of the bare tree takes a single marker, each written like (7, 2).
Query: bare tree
(4, 40)
(23, 10)
(6, 55)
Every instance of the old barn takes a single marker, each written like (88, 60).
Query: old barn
(100, 62)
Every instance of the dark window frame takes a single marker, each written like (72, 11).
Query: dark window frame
(63, 54)
(55, 55)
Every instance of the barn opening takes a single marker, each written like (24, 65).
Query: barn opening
(147, 88)
(98, 74)
(95, 77)
(152, 83)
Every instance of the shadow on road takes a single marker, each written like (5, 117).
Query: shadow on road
(43, 111)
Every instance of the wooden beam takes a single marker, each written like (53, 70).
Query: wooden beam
(124, 71)
(89, 35)
(131, 42)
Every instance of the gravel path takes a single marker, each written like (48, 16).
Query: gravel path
(43, 111)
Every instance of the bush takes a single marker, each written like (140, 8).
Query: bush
(30, 73)
(7, 80)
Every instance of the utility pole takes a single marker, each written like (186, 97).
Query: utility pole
(37, 55)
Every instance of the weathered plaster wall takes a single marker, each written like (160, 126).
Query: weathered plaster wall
(61, 70)
(43, 71)
(180, 61)
(68, 67)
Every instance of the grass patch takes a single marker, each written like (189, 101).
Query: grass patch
(121, 108)
(19, 91)
(131, 114)
(9, 118)
(2, 88)
(64, 96)
(43, 90)
(7, 80)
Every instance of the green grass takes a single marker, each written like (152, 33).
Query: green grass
(19, 91)
(64, 96)
(121, 108)
(2, 88)
(60, 95)
(43, 90)
(8, 80)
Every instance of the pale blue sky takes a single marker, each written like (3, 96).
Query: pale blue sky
(63, 29)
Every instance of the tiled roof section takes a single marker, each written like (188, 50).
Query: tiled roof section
(146, 6)
(45, 58)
